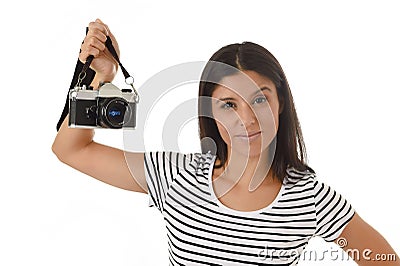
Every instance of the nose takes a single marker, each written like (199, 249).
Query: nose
(246, 115)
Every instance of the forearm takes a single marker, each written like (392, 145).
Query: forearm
(366, 245)
(71, 140)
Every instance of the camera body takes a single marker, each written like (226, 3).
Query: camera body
(107, 107)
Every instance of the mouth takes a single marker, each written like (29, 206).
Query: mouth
(249, 137)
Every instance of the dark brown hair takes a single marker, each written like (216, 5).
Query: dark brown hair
(290, 149)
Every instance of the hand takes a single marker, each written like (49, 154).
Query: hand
(94, 44)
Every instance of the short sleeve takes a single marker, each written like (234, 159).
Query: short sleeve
(333, 212)
(161, 169)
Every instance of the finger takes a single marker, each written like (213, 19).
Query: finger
(107, 29)
(113, 39)
(98, 34)
(94, 39)
(105, 26)
(86, 51)
(99, 21)
(98, 26)
(110, 34)
(94, 42)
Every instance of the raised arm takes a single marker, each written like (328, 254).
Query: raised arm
(75, 146)
(365, 245)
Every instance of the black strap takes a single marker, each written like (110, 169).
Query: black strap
(111, 48)
(113, 52)
(84, 75)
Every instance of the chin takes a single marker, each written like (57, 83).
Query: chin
(248, 151)
(254, 149)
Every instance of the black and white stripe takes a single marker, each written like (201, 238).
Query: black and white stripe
(202, 231)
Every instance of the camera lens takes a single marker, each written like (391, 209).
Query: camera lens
(115, 111)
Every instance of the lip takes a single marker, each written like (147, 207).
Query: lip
(249, 137)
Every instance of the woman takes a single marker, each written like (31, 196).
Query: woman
(255, 201)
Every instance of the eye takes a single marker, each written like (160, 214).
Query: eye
(261, 99)
(228, 105)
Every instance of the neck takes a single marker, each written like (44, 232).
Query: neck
(246, 173)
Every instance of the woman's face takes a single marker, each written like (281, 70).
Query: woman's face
(246, 107)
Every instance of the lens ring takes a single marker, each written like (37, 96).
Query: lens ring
(116, 103)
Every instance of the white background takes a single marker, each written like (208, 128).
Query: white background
(342, 62)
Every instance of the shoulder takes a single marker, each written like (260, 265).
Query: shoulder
(178, 160)
(305, 179)
(295, 177)
(168, 156)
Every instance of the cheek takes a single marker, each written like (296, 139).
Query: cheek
(268, 122)
(225, 121)
(270, 116)
(222, 128)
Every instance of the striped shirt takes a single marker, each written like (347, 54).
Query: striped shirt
(203, 231)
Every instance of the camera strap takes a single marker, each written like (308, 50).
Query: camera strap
(128, 78)
(84, 75)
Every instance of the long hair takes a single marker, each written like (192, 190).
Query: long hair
(290, 148)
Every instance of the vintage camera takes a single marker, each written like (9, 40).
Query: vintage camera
(107, 107)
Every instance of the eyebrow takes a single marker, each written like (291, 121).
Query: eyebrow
(261, 89)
